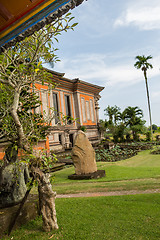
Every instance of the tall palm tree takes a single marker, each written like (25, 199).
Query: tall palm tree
(132, 117)
(144, 66)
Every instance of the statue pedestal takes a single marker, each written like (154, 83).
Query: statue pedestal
(94, 175)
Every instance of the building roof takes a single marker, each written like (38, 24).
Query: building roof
(20, 18)
(74, 84)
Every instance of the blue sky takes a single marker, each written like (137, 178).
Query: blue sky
(103, 47)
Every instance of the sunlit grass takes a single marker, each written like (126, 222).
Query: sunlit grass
(112, 218)
(139, 172)
(123, 175)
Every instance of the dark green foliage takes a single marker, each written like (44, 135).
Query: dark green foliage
(83, 128)
(33, 123)
(148, 136)
(124, 123)
(114, 154)
(154, 127)
(137, 145)
(156, 150)
(121, 151)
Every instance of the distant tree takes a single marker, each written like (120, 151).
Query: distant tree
(148, 136)
(133, 120)
(142, 63)
(154, 127)
(113, 114)
(123, 123)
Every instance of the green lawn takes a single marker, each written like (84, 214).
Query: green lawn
(134, 217)
(101, 218)
(139, 172)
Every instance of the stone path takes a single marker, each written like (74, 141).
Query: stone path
(115, 193)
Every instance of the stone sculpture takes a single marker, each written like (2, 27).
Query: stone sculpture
(83, 156)
(13, 184)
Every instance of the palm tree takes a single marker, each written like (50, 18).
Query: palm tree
(112, 113)
(133, 119)
(144, 66)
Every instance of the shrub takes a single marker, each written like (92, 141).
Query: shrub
(156, 150)
(148, 136)
(114, 154)
(83, 128)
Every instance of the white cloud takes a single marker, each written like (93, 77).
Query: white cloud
(143, 14)
(97, 69)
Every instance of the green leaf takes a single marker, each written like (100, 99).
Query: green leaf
(74, 24)
(68, 14)
(71, 19)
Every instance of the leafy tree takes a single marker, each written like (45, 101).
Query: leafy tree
(142, 63)
(133, 120)
(148, 136)
(115, 124)
(121, 123)
(154, 127)
(113, 113)
(20, 68)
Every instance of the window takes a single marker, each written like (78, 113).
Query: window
(68, 108)
(83, 109)
(55, 106)
(92, 110)
(88, 111)
(44, 95)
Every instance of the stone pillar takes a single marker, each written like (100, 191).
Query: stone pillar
(67, 140)
(97, 97)
(63, 139)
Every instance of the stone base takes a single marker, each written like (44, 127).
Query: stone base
(94, 175)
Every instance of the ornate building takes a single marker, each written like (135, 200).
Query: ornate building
(72, 98)
(75, 106)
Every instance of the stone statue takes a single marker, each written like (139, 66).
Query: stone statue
(83, 155)
(13, 178)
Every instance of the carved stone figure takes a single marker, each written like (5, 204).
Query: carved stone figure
(13, 184)
(47, 201)
(83, 155)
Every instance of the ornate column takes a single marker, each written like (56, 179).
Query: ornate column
(96, 98)
(67, 140)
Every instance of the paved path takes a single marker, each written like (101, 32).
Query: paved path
(115, 193)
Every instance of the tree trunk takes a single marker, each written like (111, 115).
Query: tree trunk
(23, 143)
(46, 194)
(149, 107)
(46, 201)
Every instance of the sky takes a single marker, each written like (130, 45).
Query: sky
(102, 50)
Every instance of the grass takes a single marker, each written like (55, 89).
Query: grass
(139, 172)
(113, 218)
(116, 217)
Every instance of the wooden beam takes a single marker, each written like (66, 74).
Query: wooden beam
(5, 13)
